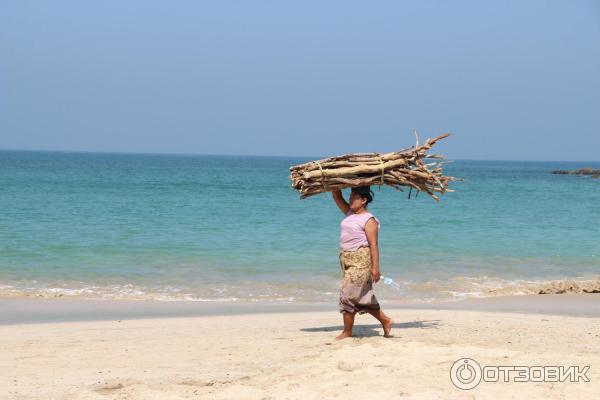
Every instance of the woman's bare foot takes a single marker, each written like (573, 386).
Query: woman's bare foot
(387, 326)
(343, 335)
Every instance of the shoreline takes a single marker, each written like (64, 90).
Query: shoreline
(26, 310)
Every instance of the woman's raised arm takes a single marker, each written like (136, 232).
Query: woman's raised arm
(339, 200)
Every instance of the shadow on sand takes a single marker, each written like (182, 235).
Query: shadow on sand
(374, 330)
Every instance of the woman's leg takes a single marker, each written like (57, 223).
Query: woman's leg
(386, 322)
(348, 324)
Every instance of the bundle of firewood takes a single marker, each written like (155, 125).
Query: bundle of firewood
(401, 168)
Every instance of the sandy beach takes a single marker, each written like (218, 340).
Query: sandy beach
(292, 355)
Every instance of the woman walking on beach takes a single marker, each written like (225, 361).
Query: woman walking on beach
(359, 260)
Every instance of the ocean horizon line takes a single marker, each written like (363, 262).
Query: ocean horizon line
(262, 155)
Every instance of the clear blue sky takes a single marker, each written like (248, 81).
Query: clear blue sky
(509, 79)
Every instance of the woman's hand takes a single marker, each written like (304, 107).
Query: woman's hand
(375, 275)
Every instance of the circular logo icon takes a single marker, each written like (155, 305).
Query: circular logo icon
(465, 373)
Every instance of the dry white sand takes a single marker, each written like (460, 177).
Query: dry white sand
(293, 356)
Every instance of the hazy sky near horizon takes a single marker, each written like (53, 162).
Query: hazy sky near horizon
(509, 79)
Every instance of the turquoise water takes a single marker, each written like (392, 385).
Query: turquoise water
(231, 228)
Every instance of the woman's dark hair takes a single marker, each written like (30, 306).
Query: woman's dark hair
(365, 192)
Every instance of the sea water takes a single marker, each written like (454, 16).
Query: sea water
(231, 228)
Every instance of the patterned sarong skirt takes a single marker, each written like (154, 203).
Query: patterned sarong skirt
(356, 288)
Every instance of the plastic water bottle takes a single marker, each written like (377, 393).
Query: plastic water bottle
(389, 281)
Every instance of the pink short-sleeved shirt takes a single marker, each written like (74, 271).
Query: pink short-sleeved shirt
(352, 230)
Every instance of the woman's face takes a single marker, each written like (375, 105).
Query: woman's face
(356, 202)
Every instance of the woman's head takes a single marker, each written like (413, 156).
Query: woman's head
(360, 197)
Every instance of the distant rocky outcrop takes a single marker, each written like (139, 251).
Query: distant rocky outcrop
(595, 173)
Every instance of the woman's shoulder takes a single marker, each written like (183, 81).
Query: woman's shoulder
(371, 215)
(364, 216)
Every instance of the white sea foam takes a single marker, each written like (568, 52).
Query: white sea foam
(454, 288)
